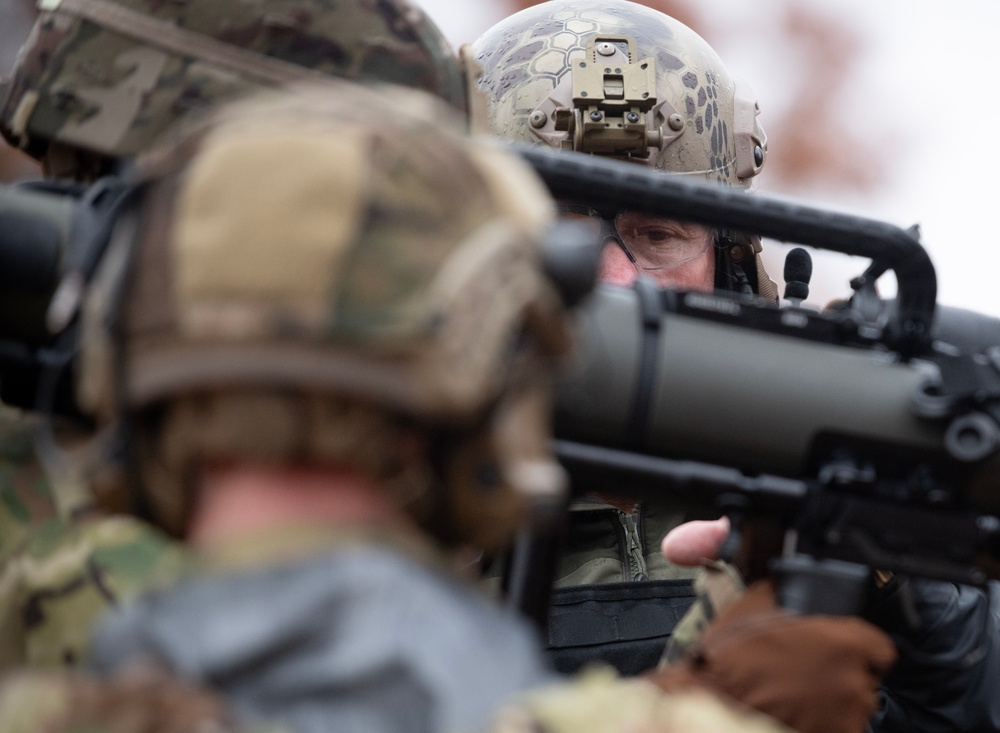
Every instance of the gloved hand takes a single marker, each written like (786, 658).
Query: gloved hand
(948, 673)
(817, 674)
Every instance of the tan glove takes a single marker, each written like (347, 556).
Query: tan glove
(817, 674)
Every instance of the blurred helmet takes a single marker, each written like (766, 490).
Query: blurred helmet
(107, 77)
(611, 77)
(384, 276)
(617, 78)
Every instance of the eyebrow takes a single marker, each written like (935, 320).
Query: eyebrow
(673, 226)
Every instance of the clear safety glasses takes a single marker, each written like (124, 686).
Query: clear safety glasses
(650, 242)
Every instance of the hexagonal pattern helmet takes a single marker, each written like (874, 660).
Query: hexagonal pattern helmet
(385, 273)
(109, 76)
(611, 77)
(617, 78)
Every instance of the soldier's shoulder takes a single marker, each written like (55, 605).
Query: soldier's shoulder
(126, 549)
(67, 573)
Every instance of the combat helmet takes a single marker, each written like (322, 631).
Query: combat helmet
(615, 78)
(384, 276)
(101, 79)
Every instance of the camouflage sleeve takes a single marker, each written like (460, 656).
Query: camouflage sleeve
(26, 498)
(598, 701)
(66, 575)
(717, 586)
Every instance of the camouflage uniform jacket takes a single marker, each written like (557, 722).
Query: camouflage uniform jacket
(25, 495)
(58, 575)
(66, 574)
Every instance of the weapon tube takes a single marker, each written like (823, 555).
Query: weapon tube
(710, 379)
(35, 230)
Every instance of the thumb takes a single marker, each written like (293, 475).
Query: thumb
(694, 543)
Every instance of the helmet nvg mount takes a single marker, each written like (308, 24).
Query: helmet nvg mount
(617, 78)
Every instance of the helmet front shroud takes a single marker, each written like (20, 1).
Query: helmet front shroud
(619, 79)
(378, 288)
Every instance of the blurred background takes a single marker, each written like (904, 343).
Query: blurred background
(885, 109)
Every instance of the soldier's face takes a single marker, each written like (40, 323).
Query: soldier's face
(675, 254)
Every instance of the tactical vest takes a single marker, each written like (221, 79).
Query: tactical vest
(616, 598)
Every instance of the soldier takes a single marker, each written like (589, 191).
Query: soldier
(659, 96)
(542, 70)
(335, 348)
(97, 82)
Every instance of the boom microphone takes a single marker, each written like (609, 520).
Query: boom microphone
(798, 272)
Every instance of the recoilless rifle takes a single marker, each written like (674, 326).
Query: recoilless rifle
(862, 437)
(865, 437)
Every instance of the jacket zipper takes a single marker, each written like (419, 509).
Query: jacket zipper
(635, 561)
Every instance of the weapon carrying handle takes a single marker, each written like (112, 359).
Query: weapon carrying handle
(609, 184)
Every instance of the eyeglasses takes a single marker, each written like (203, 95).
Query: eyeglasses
(650, 242)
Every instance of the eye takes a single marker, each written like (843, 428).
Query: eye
(655, 234)
(654, 242)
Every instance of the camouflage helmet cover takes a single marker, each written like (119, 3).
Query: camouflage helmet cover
(614, 77)
(381, 259)
(109, 76)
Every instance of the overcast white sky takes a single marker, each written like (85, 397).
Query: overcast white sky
(931, 71)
